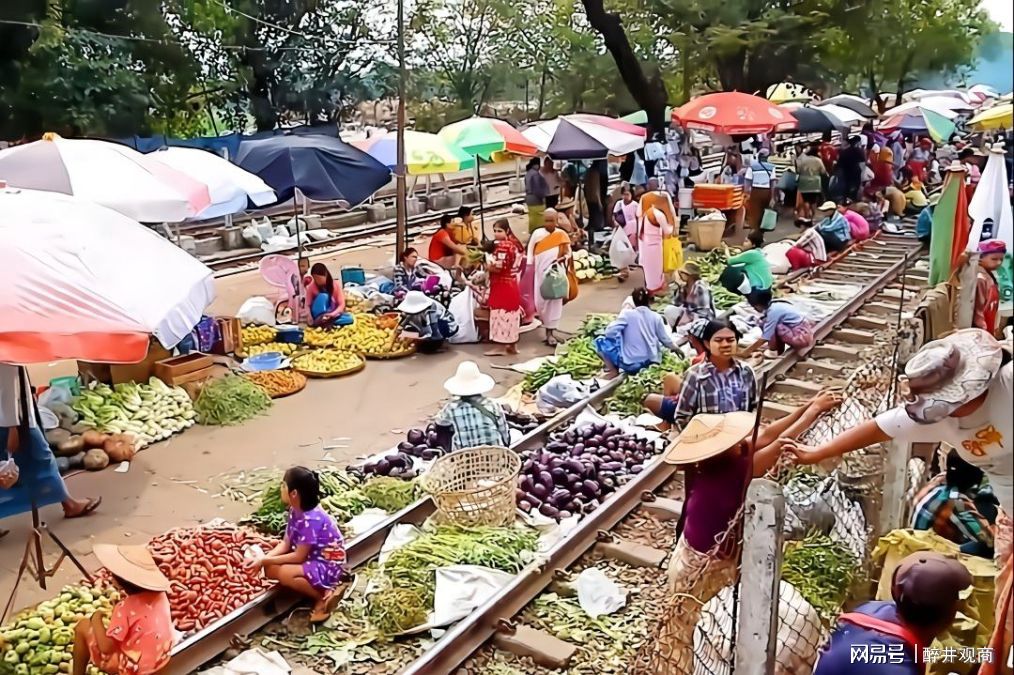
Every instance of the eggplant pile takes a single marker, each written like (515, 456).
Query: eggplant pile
(579, 468)
(425, 444)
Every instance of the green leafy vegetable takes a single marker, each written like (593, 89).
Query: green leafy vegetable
(230, 400)
(629, 396)
(822, 570)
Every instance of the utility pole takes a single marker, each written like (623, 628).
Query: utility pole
(401, 203)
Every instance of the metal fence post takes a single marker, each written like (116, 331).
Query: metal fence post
(757, 627)
(893, 507)
(966, 292)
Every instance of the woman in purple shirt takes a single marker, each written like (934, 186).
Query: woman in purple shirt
(311, 556)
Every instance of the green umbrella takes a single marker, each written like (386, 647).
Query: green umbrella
(640, 117)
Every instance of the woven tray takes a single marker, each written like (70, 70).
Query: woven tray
(337, 373)
(300, 387)
(390, 356)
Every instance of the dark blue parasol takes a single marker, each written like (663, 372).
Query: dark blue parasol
(323, 168)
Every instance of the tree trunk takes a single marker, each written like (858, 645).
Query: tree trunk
(685, 67)
(542, 88)
(648, 92)
(732, 72)
(906, 66)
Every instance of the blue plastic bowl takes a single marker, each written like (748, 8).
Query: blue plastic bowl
(265, 361)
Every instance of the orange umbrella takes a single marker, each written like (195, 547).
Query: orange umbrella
(733, 112)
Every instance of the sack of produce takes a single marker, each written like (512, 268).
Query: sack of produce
(555, 285)
(806, 508)
(257, 310)
(251, 237)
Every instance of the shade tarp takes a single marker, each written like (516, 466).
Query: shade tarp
(323, 168)
(950, 228)
(80, 281)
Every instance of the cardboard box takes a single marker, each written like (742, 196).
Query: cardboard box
(117, 373)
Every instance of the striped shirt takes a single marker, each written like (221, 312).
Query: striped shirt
(706, 389)
(953, 514)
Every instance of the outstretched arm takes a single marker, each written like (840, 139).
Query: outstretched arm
(866, 434)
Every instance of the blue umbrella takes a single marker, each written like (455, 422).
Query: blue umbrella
(322, 168)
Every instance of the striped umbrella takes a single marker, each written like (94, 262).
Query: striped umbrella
(482, 136)
(922, 120)
(585, 137)
(424, 153)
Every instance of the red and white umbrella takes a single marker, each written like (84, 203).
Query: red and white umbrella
(105, 173)
(733, 112)
(583, 136)
(80, 281)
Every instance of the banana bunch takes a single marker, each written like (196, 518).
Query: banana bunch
(284, 348)
(365, 336)
(257, 335)
(326, 361)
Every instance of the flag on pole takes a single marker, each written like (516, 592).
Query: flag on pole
(950, 228)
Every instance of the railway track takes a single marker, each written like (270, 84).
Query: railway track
(873, 284)
(348, 236)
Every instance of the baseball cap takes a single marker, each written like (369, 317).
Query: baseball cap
(927, 585)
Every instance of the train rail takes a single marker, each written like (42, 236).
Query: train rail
(883, 282)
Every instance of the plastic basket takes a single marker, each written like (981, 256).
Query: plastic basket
(475, 486)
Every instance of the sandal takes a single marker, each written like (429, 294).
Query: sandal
(327, 604)
(89, 507)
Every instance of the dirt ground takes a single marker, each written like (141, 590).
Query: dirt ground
(174, 483)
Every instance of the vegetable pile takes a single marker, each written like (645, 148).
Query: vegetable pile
(630, 394)
(578, 469)
(150, 412)
(41, 639)
(822, 570)
(257, 335)
(413, 566)
(589, 266)
(712, 265)
(536, 379)
(205, 566)
(230, 400)
(327, 362)
(342, 496)
(278, 382)
(578, 358)
(424, 444)
(283, 348)
(595, 325)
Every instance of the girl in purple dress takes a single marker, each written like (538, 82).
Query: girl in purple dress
(311, 556)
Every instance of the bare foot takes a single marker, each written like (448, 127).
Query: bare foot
(610, 374)
(512, 350)
(496, 352)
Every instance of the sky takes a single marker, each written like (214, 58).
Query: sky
(1001, 11)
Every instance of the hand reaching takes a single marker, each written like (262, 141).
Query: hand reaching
(827, 400)
(804, 454)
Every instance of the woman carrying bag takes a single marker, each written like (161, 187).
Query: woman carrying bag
(548, 253)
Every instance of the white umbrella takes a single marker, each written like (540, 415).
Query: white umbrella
(916, 108)
(585, 137)
(852, 102)
(105, 173)
(992, 200)
(848, 117)
(229, 186)
(920, 94)
(80, 281)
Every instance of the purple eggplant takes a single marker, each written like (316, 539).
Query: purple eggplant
(549, 511)
(525, 505)
(559, 475)
(416, 437)
(540, 491)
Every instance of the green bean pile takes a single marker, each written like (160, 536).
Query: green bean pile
(230, 400)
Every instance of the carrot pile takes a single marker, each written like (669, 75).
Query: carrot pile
(205, 566)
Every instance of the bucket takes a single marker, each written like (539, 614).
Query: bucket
(353, 275)
(69, 382)
(685, 199)
(709, 234)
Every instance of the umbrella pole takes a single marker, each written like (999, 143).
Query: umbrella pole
(478, 189)
(295, 216)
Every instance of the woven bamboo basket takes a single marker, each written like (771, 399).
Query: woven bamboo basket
(474, 486)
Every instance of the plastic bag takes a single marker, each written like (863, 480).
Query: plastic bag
(462, 308)
(560, 392)
(672, 254)
(555, 285)
(9, 473)
(621, 253)
(257, 310)
(264, 228)
(251, 237)
(598, 594)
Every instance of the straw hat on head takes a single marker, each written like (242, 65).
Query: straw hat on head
(827, 206)
(948, 373)
(469, 381)
(690, 269)
(956, 166)
(133, 564)
(414, 302)
(707, 436)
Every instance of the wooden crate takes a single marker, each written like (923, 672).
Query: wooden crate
(180, 369)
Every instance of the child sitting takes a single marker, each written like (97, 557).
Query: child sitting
(140, 633)
(783, 325)
(311, 557)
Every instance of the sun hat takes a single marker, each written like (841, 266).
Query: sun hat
(929, 583)
(414, 302)
(708, 435)
(956, 166)
(948, 373)
(133, 564)
(690, 269)
(469, 381)
(827, 206)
